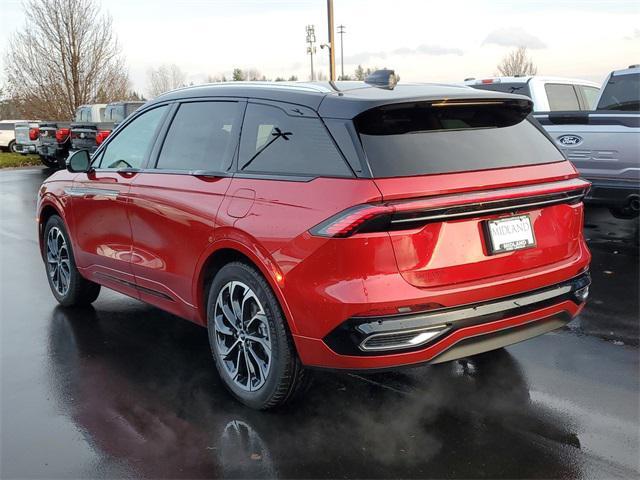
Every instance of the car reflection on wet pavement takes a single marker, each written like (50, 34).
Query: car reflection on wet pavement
(122, 389)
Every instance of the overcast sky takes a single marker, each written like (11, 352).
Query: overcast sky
(421, 40)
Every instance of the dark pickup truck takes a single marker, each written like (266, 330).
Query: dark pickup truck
(55, 136)
(603, 143)
(89, 135)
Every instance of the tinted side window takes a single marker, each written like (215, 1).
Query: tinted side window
(561, 97)
(274, 142)
(200, 137)
(129, 148)
(590, 95)
(6, 126)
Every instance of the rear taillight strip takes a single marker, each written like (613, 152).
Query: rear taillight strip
(384, 217)
(496, 206)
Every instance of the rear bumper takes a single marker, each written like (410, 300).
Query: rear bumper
(447, 334)
(51, 151)
(612, 193)
(26, 148)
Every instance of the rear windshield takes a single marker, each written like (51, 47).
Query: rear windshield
(441, 137)
(622, 92)
(520, 88)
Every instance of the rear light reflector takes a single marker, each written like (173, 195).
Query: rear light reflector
(101, 136)
(34, 133)
(62, 134)
(402, 310)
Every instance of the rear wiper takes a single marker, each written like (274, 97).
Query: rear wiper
(276, 135)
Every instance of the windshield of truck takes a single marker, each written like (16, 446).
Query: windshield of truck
(622, 92)
(424, 138)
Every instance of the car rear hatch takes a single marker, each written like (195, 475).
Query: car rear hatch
(471, 189)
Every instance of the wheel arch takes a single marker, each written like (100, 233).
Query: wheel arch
(47, 210)
(223, 252)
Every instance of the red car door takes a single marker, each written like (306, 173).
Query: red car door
(174, 203)
(100, 204)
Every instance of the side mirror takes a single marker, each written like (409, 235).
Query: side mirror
(79, 162)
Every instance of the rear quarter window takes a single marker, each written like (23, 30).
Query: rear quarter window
(274, 142)
(422, 138)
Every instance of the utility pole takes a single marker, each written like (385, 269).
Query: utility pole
(311, 47)
(341, 32)
(332, 55)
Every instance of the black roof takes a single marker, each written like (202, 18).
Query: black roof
(333, 99)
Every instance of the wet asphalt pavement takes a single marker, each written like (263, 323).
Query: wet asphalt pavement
(125, 390)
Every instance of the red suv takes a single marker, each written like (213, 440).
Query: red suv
(342, 226)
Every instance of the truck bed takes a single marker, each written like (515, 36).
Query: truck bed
(604, 146)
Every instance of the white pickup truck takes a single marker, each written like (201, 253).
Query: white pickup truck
(604, 143)
(549, 94)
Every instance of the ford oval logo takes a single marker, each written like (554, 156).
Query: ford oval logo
(569, 140)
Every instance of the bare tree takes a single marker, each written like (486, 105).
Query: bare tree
(216, 78)
(164, 78)
(517, 62)
(253, 75)
(65, 56)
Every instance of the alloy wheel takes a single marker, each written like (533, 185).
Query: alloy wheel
(58, 264)
(242, 336)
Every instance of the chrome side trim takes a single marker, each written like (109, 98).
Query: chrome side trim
(83, 192)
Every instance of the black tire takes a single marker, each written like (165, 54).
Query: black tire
(623, 213)
(49, 162)
(286, 377)
(79, 291)
(12, 147)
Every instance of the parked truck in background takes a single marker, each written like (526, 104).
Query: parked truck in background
(604, 143)
(88, 135)
(27, 135)
(548, 93)
(55, 136)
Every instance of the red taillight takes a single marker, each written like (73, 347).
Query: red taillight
(34, 133)
(62, 134)
(359, 219)
(487, 80)
(102, 135)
